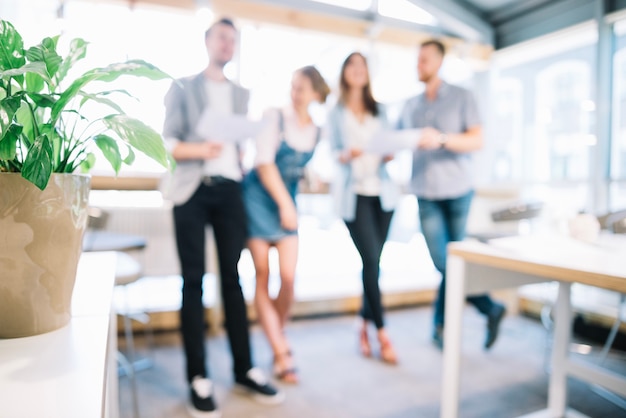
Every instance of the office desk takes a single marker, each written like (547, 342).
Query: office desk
(64, 373)
(475, 267)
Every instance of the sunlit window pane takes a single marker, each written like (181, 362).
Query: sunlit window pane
(618, 146)
(547, 133)
(349, 4)
(405, 10)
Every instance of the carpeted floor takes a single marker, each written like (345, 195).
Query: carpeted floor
(508, 381)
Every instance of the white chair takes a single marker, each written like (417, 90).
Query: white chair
(127, 271)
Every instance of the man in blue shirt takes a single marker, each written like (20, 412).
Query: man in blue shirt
(442, 173)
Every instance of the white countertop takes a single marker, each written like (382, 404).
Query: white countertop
(62, 373)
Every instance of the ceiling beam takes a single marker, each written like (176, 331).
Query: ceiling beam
(369, 15)
(306, 14)
(311, 15)
(459, 19)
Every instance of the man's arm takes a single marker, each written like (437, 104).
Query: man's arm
(468, 141)
(175, 129)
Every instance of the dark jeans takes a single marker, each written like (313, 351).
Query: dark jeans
(221, 206)
(443, 221)
(369, 232)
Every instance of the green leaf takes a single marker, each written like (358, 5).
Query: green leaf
(34, 82)
(87, 164)
(137, 68)
(110, 150)
(8, 144)
(8, 107)
(130, 157)
(25, 118)
(110, 73)
(32, 67)
(140, 136)
(11, 47)
(38, 163)
(56, 142)
(46, 53)
(43, 100)
(102, 100)
(78, 51)
(69, 94)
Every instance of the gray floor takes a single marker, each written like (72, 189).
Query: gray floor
(508, 381)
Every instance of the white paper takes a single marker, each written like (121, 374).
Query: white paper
(386, 142)
(219, 127)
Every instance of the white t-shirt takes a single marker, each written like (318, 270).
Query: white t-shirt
(220, 96)
(365, 178)
(298, 137)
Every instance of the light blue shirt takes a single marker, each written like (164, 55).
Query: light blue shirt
(342, 187)
(441, 174)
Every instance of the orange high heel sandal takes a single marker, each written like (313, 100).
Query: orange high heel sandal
(364, 343)
(387, 353)
(286, 374)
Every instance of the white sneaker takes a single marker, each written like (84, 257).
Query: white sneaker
(201, 396)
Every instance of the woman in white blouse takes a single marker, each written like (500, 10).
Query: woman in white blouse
(283, 149)
(364, 194)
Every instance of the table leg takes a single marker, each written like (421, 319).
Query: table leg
(455, 301)
(557, 393)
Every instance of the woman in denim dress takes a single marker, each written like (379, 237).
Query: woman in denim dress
(283, 149)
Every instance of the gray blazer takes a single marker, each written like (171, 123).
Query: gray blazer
(184, 103)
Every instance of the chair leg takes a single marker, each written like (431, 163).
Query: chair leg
(614, 329)
(138, 364)
(610, 396)
(130, 372)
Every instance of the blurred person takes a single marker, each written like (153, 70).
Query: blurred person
(442, 174)
(283, 149)
(205, 189)
(365, 195)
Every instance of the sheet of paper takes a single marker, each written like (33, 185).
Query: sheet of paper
(387, 142)
(216, 126)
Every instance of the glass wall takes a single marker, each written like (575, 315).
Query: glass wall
(541, 129)
(618, 143)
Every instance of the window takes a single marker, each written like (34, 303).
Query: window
(405, 10)
(563, 134)
(542, 102)
(618, 146)
(506, 121)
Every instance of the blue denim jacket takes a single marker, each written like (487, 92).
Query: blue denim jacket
(342, 188)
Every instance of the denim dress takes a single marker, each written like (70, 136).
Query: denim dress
(262, 210)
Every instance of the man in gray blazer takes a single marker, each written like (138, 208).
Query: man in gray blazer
(205, 189)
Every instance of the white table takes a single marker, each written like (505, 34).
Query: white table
(475, 268)
(64, 373)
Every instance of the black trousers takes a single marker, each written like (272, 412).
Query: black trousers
(221, 206)
(369, 232)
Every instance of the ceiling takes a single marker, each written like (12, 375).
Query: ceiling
(502, 23)
(486, 23)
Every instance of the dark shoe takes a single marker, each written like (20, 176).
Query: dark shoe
(438, 337)
(202, 403)
(493, 324)
(255, 384)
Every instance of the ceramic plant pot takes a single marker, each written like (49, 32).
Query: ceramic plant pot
(41, 236)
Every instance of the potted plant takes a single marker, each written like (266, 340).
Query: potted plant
(47, 140)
